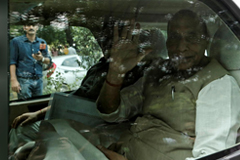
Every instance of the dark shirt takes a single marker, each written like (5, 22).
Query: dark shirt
(96, 75)
(21, 50)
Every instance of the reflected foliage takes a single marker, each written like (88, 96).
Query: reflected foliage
(85, 44)
(58, 84)
(53, 36)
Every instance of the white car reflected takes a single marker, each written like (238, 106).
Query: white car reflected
(66, 73)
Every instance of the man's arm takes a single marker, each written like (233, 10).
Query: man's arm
(217, 116)
(13, 78)
(30, 117)
(46, 60)
(124, 56)
(43, 57)
(40, 57)
(109, 98)
(13, 61)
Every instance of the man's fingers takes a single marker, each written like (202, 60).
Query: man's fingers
(19, 89)
(132, 27)
(125, 31)
(136, 33)
(37, 56)
(115, 33)
(34, 56)
(24, 122)
(16, 121)
(24, 119)
(14, 89)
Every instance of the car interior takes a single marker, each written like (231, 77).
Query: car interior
(223, 25)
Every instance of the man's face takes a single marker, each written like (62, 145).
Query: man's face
(186, 43)
(30, 29)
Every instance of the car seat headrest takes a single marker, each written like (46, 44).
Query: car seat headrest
(225, 47)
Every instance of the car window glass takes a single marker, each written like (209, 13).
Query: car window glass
(81, 34)
(71, 62)
(84, 45)
(86, 32)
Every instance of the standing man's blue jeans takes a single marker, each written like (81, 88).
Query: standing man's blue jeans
(30, 87)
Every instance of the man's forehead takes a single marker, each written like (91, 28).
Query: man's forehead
(31, 24)
(186, 25)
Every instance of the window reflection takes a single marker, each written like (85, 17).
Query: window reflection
(86, 49)
(172, 90)
(60, 23)
(71, 62)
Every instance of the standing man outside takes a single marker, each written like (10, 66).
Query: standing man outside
(27, 55)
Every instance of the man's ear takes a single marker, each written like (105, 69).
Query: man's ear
(24, 28)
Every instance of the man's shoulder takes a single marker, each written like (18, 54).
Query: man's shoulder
(214, 65)
(19, 38)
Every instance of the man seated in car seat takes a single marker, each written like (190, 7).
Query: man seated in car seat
(90, 88)
(187, 106)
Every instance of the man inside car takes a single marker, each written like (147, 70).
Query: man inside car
(180, 112)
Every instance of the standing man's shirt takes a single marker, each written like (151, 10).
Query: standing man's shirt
(21, 50)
